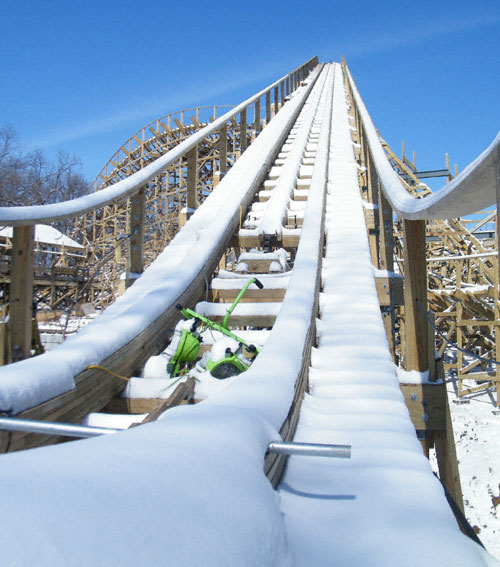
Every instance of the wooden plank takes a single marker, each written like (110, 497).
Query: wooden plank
(251, 295)
(258, 266)
(259, 320)
(183, 391)
(131, 405)
(250, 241)
(290, 240)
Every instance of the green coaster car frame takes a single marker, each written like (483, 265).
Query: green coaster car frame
(233, 362)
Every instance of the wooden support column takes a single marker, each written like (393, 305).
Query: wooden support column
(415, 270)
(268, 107)
(386, 239)
(21, 292)
(136, 257)
(135, 260)
(256, 117)
(282, 92)
(243, 130)
(276, 100)
(222, 155)
(446, 455)
(192, 184)
(497, 283)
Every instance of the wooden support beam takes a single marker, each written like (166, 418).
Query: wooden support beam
(268, 107)
(497, 283)
(21, 292)
(446, 455)
(417, 336)
(3, 337)
(192, 184)
(276, 100)
(256, 118)
(136, 254)
(223, 150)
(386, 239)
(243, 130)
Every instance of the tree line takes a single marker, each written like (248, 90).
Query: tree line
(31, 178)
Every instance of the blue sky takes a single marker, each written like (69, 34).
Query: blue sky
(83, 76)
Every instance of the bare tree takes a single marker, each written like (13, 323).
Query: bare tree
(11, 166)
(31, 179)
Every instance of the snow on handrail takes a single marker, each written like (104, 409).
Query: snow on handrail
(474, 189)
(12, 216)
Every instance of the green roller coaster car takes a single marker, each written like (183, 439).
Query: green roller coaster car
(232, 362)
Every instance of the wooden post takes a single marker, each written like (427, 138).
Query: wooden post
(21, 292)
(386, 240)
(415, 270)
(282, 92)
(497, 283)
(268, 107)
(256, 117)
(192, 178)
(3, 336)
(192, 184)
(446, 455)
(223, 150)
(136, 256)
(243, 130)
(276, 100)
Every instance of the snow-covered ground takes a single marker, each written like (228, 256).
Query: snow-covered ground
(476, 427)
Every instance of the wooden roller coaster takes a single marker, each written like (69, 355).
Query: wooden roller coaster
(198, 203)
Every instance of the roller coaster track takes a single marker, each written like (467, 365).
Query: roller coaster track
(293, 210)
